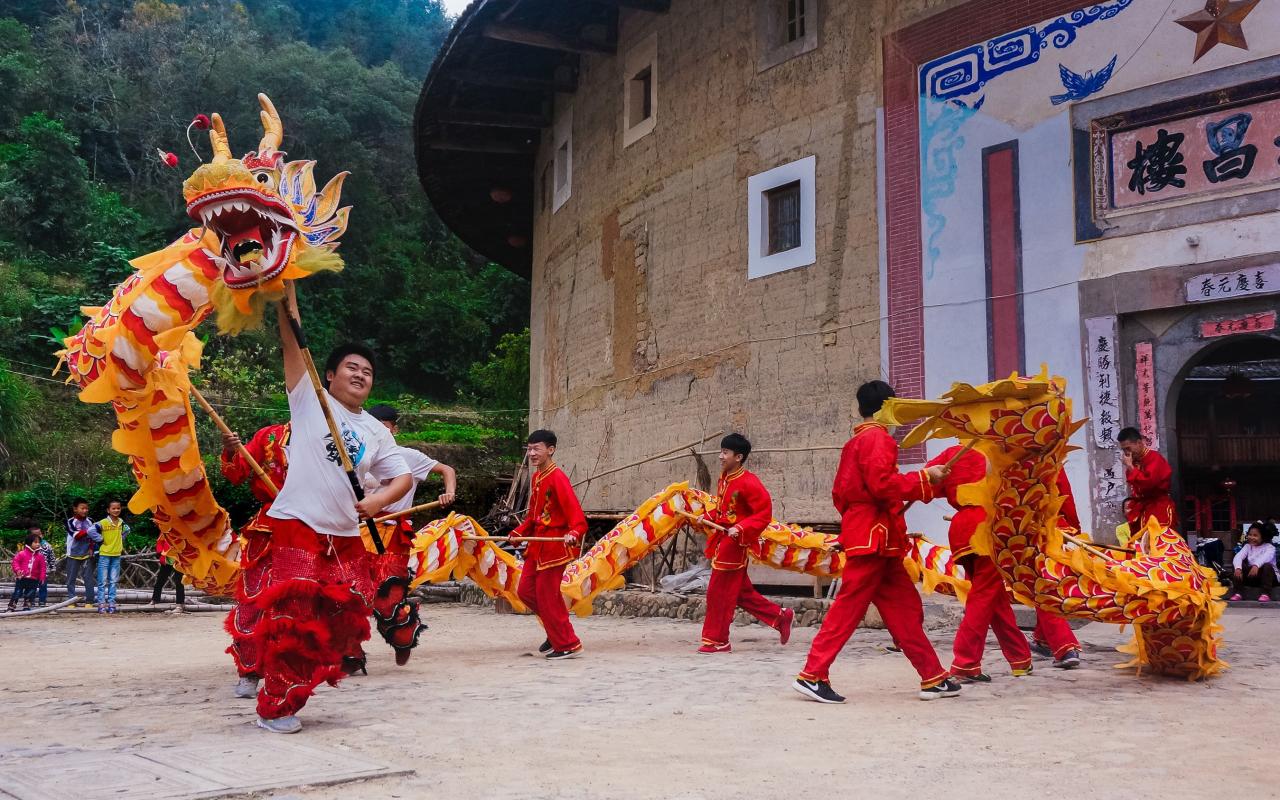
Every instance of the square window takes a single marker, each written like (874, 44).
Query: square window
(782, 218)
(640, 91)
(795, 20)
(642, 97)
(785, 29)
(562, 158)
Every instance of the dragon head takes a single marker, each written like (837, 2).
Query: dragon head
(268, 222)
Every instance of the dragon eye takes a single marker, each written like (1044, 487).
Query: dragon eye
(265, 178)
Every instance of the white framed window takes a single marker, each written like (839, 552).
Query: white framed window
(782, 223)
(784, 30)
(562, 159)
(640, 90)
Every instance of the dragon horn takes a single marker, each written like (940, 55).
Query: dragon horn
(218, 139)
(272, 128)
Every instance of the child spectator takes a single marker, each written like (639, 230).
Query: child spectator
(29, 569)
(82, 536)
(111, 531)
(166, 569)
(51, 562)
(1255, 564)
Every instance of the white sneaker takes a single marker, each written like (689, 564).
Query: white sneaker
(289, 724)
(246, 688)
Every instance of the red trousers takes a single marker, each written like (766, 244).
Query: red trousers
(731, 589)
(1053, 630)
(988, 608)
(242, 621)
(882, 581)
(539, 589)
(313, 614)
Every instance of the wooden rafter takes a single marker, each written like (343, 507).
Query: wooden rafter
(503, 80)
(546, 39)
(493, 119)
(655, 6)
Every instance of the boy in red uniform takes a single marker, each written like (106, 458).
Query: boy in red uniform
(988, 606)
(1149, 477)
(267, 447)
(1053, 636)
(553, 512)
(870, 495)
(744, 507)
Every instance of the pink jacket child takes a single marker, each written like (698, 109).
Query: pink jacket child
(30, 568)
(30, 563)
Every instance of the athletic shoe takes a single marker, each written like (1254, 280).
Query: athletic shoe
(1022, 673)
(1069, 660)
(246, 688)
(561, 655)
(1262, 598)
(545, 647)
(111, 608)
(289, 724)
(785, 621)
(1041, 649)
(102, 609)
(892, 648)
(1236, 596)
(716, 648)
(819, 691)
(351, 665)
(948, 688)
(981, 677)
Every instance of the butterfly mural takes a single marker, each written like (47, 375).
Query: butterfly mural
(1080, 86)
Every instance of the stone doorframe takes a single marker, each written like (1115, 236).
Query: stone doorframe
(1151, 306)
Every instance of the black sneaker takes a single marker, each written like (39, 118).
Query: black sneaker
(892, 648)
(1041, 649)
(820, 691)
(561, 655)
(1069, 660)
(545, 647)
(981, 677)
(948, 688)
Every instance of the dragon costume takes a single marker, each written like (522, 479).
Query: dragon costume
(262, 222)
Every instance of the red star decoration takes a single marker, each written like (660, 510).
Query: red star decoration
(1219, 23)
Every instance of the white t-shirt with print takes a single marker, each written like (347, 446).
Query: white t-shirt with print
(316, 489)
(420, 466)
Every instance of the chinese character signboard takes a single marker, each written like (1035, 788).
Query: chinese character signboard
(1111, 484)
(1103, 376)
(1245, 282)
(1147, 414)
(1266, 321)
(1218, 150)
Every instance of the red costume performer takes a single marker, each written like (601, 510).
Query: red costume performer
(744, 503)
(267, 447)
(988, 606)
(1149, 481)
(1052, 632)
(870, 493)
(554, 511)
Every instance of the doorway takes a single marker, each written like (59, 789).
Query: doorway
(1228, 436)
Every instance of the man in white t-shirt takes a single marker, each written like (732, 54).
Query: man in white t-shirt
(396, 616)
(315, 609)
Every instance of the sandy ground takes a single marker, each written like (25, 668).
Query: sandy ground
(642, 716)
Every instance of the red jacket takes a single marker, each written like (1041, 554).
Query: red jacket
(1067, 514)
(267, 448)
(1149, 482)
(741, 500)
(970, 468)
(553, 511)
(870, 493)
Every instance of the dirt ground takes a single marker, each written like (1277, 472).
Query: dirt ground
(642, 716)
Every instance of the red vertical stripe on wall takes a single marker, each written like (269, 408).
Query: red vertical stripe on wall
(1005, 346)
